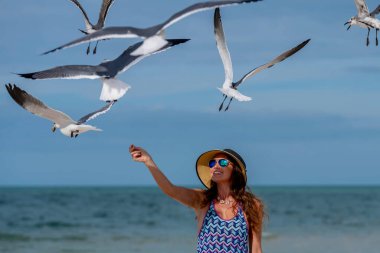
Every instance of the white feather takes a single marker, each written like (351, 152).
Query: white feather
(77, 129)
(235, 94)
(150, 45)
(113, 89)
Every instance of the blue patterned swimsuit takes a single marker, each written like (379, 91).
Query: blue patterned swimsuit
(223, 236)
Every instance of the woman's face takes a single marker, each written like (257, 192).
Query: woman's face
(221, 174)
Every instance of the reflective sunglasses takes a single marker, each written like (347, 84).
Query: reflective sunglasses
(222, 162)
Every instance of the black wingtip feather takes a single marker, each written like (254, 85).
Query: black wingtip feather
(50, 51)
(174, 42)
(28, 75)
(305, 42)
(300, 46)
(16, 93)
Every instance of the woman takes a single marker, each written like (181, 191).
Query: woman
(229, 216)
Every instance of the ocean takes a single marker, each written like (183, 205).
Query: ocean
(143, 219)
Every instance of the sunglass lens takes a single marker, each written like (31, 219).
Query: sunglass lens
(223, 162)
(211, 163)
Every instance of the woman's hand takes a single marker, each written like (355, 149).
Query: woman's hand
(140, 155)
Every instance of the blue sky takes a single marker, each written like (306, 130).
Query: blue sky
(314, 118)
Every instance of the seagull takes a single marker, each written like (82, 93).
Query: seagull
(67, 125)
(365, 19)
(229, 88)
(90, 28)
(153, 36)
(113, 89)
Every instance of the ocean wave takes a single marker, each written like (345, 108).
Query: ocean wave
(56, 224)
(62, 238)
(14, 237)
(269, 236)
(122, 238)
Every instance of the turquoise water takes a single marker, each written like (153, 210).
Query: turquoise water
(125, 219)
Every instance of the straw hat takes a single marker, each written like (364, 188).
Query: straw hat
(203, 169)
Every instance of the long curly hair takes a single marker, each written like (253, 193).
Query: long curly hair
(252, 206)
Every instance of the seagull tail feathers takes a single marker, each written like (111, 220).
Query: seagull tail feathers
(113, 89)
(85, 128)
(235, 94)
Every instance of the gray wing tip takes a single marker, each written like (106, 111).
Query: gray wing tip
(292, 51)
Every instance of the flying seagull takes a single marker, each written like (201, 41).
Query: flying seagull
(67, 125)
(91, 28)
(153, 36)
(229, 88)
(113, 89)
(365, 19)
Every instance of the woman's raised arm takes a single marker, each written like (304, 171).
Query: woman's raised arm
(189, 197)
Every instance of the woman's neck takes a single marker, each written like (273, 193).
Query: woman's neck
(224, 191)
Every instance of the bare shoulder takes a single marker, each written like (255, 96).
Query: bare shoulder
(190, 197)
(201, 198)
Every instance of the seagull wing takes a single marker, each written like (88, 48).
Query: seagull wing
(69, 72)
(133, 32)
(278, 59)
(103, 13)
(35, 106)
(127, 60)
(222, 48)
(200, 7)
(86, 20)
(362, 8)
(95, 114)
(375, 11)
(102, 34)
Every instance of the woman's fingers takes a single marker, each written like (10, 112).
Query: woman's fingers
(133, 148)
(136, 154)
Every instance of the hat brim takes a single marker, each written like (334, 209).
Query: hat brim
(203, 169)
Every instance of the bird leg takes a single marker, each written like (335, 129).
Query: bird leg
(377, 41)
(368, 36)
(72, 134)
(221, 105)
(88, 48)
(94, 52)
(228, 106)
